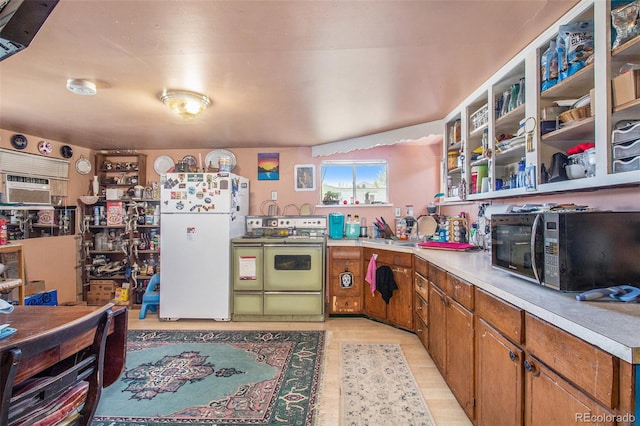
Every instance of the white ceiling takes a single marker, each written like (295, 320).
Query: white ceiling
(279, 73)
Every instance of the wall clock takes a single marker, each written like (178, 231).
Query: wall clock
(19, 141)
(45, 147)
(83, 166)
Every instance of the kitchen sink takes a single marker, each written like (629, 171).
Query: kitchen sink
(400, 243)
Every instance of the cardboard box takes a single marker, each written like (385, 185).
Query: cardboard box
(33, 287)
(99, 297)
(626, 87)
(115, 212)
(44, 298)
(102, 285)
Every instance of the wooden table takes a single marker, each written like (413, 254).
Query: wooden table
(31, 321)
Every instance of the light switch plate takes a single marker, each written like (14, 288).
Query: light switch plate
(274, 195)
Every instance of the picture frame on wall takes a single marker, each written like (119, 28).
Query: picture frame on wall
(269, 166)
(305, 177)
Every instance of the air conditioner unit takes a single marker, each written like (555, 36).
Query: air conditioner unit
(26, 190)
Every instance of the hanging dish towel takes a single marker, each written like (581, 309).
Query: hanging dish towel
(385, 283)
(371, 273)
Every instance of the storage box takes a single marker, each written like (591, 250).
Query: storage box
(115, 212)
(628, 150)
(122, 294)
(102, 285)
(99, 297)
(626, 87)
(33, 287)
(114, 193)
(45, 298)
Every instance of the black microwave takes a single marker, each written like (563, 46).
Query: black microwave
(568, 251)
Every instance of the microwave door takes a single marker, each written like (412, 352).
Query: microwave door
(536, 247)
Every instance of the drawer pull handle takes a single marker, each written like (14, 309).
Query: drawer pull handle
(513, 356)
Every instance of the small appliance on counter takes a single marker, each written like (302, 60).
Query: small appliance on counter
(336, 226)
(568, 250)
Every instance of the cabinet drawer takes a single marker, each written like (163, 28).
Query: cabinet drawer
(247, 303)
(421, 286)
(422, 309)
(390, 258)
(460, 291)
(422, 330)
(344, 265)
(293, 303)
(344, 253)
(505, 318)
(421, 266)
(346, 305)
(589, 368)
(437, 276)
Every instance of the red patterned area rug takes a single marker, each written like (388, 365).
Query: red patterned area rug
(216, 377)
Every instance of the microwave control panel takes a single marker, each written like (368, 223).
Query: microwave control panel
(551, 253)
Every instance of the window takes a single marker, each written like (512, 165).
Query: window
(356, 182)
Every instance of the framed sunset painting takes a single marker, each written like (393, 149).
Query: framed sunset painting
(269, 166)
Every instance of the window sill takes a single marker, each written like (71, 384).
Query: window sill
(355, 205)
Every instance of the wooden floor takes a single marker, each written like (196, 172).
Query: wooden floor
(443, 406)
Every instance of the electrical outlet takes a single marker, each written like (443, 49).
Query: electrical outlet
(274, 195)
(398, 213)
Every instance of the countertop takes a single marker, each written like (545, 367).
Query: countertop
(611, 326)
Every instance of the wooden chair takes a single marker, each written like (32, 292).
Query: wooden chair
(20, 401)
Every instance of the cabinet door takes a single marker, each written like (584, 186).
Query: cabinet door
(499, 381)
(437, 327)
(459, 355)
(374, 305)
(400, 308)
(551, 400)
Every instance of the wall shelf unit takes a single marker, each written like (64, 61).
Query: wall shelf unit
(594, 79)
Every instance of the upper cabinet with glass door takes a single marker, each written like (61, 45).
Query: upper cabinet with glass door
(565, 112)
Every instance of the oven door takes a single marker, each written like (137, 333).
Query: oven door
(293, 267)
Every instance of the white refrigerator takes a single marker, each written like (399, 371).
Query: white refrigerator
(199, 214)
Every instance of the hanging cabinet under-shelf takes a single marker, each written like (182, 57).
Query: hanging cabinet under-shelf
(593, 79)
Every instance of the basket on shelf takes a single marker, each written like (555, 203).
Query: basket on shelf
(575, 114)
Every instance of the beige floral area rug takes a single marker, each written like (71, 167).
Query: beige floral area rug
(379, 389)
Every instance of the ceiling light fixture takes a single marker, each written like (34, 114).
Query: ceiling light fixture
(187, 105)
(81, 87)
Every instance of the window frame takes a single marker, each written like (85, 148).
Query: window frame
(354, 164)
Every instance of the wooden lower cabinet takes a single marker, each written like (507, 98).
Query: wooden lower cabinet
(451, 345)
(345, 280)
(551, 400)
(499, 378)
(399, 310)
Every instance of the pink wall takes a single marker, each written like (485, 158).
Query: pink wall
(414, 171)
(414, 175)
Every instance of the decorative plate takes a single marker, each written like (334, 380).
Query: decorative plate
(213, 157)
(66, 151)
(83, 166)
(45, 147)
(19, 141)
(163, 164)
(190, 160)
